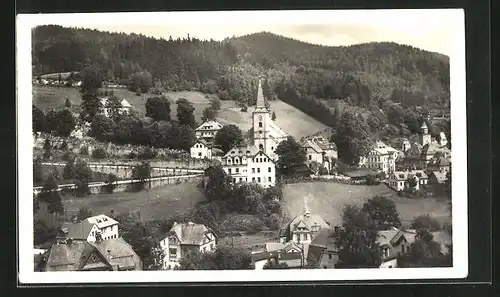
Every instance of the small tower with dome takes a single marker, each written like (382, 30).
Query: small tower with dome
(425, 137)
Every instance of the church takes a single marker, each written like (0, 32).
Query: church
(255, 161)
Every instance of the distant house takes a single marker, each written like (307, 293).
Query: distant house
(431, 149)
(398, 180)
(183, 238)
(319, 150)
(109, 255)
(382, 158)
(276, 253)
(124, 108)
(303, 228)
(323, 250)
(207, 130)
(89, 229)
(201, 149)
(439, 163)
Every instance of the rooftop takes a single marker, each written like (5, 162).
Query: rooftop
(190, 233)
(102, 221)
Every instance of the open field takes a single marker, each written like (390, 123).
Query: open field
(290, 119)
(327, 199)
(153, 204)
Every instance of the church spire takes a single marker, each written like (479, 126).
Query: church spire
(261, 103)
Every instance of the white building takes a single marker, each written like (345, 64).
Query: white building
(249, 164)
(106, 225)
(398, 180)
(124, 108)
(89, 229)
(207, 130)
(184, 238)
(382, 157)
(201, 149)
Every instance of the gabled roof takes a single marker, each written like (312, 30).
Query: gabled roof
(204, 142)
(440, 176)
(125, 103)
(102, 221)
(308, 220)
(71, 257)
(79, 231)
(119, 253)
(386, 236)
(325, 239)
(190, 233)
(209, 125)
(404, 175)
(433, 148)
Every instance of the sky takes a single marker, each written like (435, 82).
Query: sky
(426, 29)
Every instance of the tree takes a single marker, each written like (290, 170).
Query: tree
(208, 114)
(39, 123)
(99, 153)
(141, 173)
(357, 241)
(382, 212)
(61, 122)
(425, 221)
(273, 116)
(83, 176)
(92, 80)
(424, 250)
(102, 128)
(353, 138)
(90, 106)
(83, 213)
(290, 156)
(51, 196)
(218, 185)
(411, 182)
(185, 113)
(215, 104)
(273, 265)
(69, 170)
(67, 103)
(141, 81)
(158, 108)
(111, 183)
(228, 137)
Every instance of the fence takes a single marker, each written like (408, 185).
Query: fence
(125, 185)
(125, 170)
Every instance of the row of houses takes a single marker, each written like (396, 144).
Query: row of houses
(94, 244)
(308, 239)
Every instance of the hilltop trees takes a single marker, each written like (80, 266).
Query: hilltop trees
(158, 108)
(228, 137)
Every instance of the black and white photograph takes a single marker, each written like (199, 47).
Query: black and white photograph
(242, 146)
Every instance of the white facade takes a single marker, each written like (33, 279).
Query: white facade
(93, 233)
(208, 130)
(398, 180)
(124, 109)
(106, 226)
(201, 150)
(382, 157)
(250, 165)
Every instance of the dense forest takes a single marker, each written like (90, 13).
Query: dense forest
(388, 85)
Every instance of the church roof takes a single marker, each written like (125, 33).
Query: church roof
(261, 102)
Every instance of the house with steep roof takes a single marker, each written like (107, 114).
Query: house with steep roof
(83, 231)
(302, 228)
(123, 108)
(201, 149)
(381, 158)
(74, 255)
(439, 163)
(323, 250)
(319, 150)
(207, 130)
(184, 238)
(291, 254)
(398, 180)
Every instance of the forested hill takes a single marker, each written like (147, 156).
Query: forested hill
(319, 80)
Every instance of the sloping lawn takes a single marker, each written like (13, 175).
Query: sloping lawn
(328, 199)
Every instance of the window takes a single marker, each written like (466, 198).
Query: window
(237, 170)
(173, 253)
(261, 147)
(253, 179)
(310, 157)
(199, 154)
(260, 124)
(229, 171)
(269, 169)
(330, 256)
(253, 170)
(240, 179)
(258, 179)
(269, 179)
(234, 180)
(258, 170)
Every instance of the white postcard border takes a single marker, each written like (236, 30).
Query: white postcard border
(25, 151)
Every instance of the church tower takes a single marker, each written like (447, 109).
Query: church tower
(425, 137)
(261, 120)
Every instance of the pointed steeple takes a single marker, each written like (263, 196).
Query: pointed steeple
(261, 103)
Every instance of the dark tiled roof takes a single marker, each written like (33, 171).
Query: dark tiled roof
(360, 173)
(190, 233)
(76, 230)
(68, 257)
(119, 253)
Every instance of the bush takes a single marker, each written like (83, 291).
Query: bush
(147, 153)
(425, 221)
(99, 153)
(323, 170)
(69, 157)
(84, 150)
